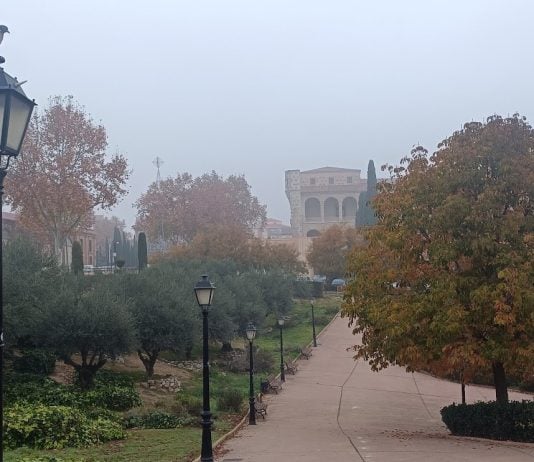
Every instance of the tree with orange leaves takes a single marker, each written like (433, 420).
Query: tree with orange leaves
(176, 209)
(328, 252)
(445, 282)
(63, 173)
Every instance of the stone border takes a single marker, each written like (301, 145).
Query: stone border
(241, 423)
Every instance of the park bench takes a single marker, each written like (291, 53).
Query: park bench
(260, 406)
(306, 352)
(271, 384)
(291, 368)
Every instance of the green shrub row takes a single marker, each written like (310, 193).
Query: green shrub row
(512, 421)
(35, 361)
(159, 419)
(117, 396)
(55, 427)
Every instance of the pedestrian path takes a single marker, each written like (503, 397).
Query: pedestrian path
(336, 409)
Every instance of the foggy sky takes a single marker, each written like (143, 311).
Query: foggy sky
(260, 86)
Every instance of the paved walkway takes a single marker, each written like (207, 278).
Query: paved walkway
(336, 409)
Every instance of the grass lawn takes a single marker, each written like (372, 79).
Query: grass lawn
(177, 445)
(183, 444)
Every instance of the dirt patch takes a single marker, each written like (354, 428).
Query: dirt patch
(130, 364)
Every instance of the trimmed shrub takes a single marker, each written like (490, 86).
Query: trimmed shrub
(111, 397)
(191, 404)
(230, 400)
(512, 421)
(36, 361)
(54, 427)
(37, 389)
(159, 419)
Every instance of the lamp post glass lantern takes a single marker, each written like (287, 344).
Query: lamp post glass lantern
(251, 335)
(204, 291)
(281, 322)
(15, 113)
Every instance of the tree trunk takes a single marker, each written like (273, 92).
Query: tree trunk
(86, 372)
(149, 360)
(499, 379)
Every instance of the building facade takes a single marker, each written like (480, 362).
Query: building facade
(322, 197)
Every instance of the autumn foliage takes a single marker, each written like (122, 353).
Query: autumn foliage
(176, 209)
(445, 283)
(64, 173)
(328, 252)
(233, 243)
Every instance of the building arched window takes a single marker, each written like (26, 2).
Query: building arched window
(313, 233)
(312, 208)
(331, 208)
(349, 207)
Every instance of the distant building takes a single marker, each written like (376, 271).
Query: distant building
(322, 197)
(10, 226)
(11, 229)
(273, 229)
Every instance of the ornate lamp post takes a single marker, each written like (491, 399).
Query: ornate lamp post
(313, 322)
(204, 291)
(15, 113)
(251, 334)
(281, 321)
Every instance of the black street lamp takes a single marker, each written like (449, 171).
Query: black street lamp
(204, 290)
(251, 334)
(313, 323)
(281, 326)
(15, 113)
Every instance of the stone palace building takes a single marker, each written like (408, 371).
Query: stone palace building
(322, 197)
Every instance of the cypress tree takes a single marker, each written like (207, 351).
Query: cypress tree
(142, 255)
(370, 218)
(361, 216)
(77, 258)
(365, 216)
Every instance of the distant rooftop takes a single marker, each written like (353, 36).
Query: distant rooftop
(331, 170)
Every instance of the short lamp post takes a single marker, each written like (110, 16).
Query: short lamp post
(204, 291)
(313, 322)
(281, 326)
(15, 113)
(251, 334)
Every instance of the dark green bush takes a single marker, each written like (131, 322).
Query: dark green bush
(119, 396)
(53, 427)
(35, 361)
(191, 404)
(111, 397)
(230, 400)
(302, 289)
(512, 421)
(159, 419)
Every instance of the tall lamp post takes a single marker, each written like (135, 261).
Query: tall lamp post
(204, 291)
(15, 112)
(281, 326)
(251, 334)
(313, 322)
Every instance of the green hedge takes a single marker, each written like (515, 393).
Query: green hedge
(35, 361)
(118, 395)
(54, 427)
(159, 419)
(513, 421)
